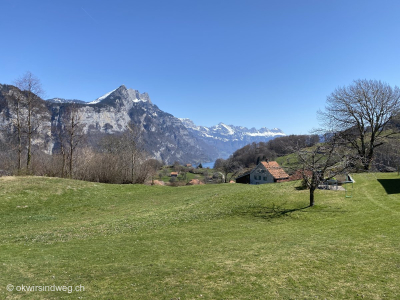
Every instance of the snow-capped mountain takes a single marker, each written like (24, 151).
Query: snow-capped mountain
(132, 94)
(62, 100)
(228, 138)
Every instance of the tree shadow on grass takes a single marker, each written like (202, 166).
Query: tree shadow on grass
(391, 186)
(274, 211)
(301, 188)
(268, 212)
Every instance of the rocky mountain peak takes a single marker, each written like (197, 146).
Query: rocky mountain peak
(124, 94)
(187, 122)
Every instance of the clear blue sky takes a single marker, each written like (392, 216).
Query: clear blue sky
(250, 63)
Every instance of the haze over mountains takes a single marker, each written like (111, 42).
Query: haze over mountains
(228, 138)
(166, 137)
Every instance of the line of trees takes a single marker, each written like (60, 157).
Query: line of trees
(251, 154)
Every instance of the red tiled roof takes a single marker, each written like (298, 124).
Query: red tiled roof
(276, 171)
(299, 174)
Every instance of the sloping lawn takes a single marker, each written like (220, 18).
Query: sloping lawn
(227, 241)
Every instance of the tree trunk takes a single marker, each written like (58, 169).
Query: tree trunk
(19, 151)
(71, 153)
(366, 163)
(368, 160)
(71, 148)
(29, 154)
(132, 167)
(19, 129)
(312, 196)
(63, 165)
(19, 157)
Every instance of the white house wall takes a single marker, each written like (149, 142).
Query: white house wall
(260, 175)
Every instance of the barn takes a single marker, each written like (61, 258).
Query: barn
(264, 172)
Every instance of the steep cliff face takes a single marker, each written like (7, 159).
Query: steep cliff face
(165, 137)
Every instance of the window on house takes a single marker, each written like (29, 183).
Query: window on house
(265, 178)
(255, 177)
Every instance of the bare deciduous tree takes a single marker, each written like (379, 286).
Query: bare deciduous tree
(74, 134)
(30, 85)
(322, 162)
(16, 122)
(60, 137)
(123, 159)
(361, 112)
(132, 136)
(228, 167)
(69, 133)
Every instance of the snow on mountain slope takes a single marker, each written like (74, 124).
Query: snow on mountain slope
(231, 132)
(98, 100)
(62, 100)
(128, 94)
(228, 138)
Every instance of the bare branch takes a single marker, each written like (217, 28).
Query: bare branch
(361, 112)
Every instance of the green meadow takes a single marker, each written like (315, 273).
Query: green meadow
(226, 241)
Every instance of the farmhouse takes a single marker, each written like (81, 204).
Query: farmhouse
(264, 172)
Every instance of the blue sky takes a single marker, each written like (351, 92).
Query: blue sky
(249, 63)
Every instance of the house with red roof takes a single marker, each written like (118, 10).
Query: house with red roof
(264, 172)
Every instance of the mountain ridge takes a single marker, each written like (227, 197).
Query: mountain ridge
(226, 139)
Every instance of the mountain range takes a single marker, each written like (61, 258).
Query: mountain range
(226, 139)
(166, 137)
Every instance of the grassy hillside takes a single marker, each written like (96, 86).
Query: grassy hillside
(199, 242)
(185, 176)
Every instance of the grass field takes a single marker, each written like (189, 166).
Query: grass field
(184, 179)
(226, 241)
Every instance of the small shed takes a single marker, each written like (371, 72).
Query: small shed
(174, 174)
